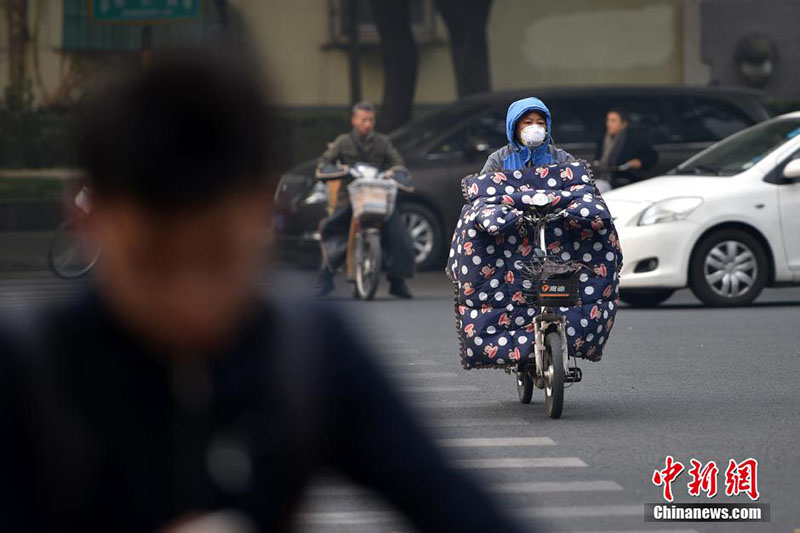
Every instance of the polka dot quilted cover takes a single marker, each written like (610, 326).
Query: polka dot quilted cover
(491, 250)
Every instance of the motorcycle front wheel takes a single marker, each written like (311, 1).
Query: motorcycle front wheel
(368, 263)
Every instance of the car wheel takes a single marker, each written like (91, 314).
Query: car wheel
(728, 268)
(645, 298)
(426, 234)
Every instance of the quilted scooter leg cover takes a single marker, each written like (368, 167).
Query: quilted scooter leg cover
(491, 249)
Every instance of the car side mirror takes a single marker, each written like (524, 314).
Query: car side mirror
(792, 170)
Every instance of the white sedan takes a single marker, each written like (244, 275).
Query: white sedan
(725, 223)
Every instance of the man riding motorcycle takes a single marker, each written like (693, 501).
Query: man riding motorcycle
(362, 145)
(530, 144)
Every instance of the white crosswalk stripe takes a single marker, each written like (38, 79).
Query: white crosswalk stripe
(570, 511)
(525, 487)
(410, 376)
(638, 531)
(474, 422)
(439, 388)
(495, 442)
(519, 462)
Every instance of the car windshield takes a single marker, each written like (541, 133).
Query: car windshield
(741, 151)
(418, 132)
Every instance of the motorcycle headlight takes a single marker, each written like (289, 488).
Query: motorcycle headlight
(669, 210)
(317, 195)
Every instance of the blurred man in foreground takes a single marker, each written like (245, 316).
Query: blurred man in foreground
(171, 390)
(362, 145)
(623, 154)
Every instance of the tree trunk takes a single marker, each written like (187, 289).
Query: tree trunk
(399, 53)
(353, 55)
(17, 18)
(466, 24)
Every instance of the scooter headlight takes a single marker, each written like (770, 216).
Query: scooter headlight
(669, 210)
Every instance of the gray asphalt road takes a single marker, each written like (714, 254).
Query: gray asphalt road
(680, 380)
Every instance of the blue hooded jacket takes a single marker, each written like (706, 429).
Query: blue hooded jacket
(521, 155)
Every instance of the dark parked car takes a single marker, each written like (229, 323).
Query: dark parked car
(446, 145)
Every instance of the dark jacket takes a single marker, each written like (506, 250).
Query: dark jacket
(101, 433)
(350, 148)
(633, 145)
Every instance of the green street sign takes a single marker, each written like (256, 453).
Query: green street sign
(144, 11)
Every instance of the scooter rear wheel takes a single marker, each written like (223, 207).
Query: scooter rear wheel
(524, 385)
(553, 374)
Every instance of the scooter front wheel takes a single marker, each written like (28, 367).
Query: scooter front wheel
(553, 374)
(368, 263)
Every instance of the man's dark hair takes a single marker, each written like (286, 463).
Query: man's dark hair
(622, 112)
(188, 129)
(363, 106)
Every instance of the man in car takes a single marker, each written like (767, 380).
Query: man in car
(362, 145)
(530, 144)
(171, 395)
(623, 154)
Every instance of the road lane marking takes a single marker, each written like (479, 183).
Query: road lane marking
(580, 511)
(352, 518)
(519, 462)
(527, 487)
(423, 375)
(347, 518)
(438, 388)
(536, 487)
(454, 404)
(494, 442)
(410, 364)
(642, 531)
(473, 422)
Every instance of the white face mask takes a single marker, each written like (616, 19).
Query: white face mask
(533, 135)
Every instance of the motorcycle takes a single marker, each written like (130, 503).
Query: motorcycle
(373, 197)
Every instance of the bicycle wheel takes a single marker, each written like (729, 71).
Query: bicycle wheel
(368, 263)
(69, 256)
(553, 374)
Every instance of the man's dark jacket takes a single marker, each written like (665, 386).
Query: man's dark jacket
(350, 148)
(102, 433)
(632, 145)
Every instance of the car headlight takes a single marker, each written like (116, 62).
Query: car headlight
(317, 195)
(669, 210)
